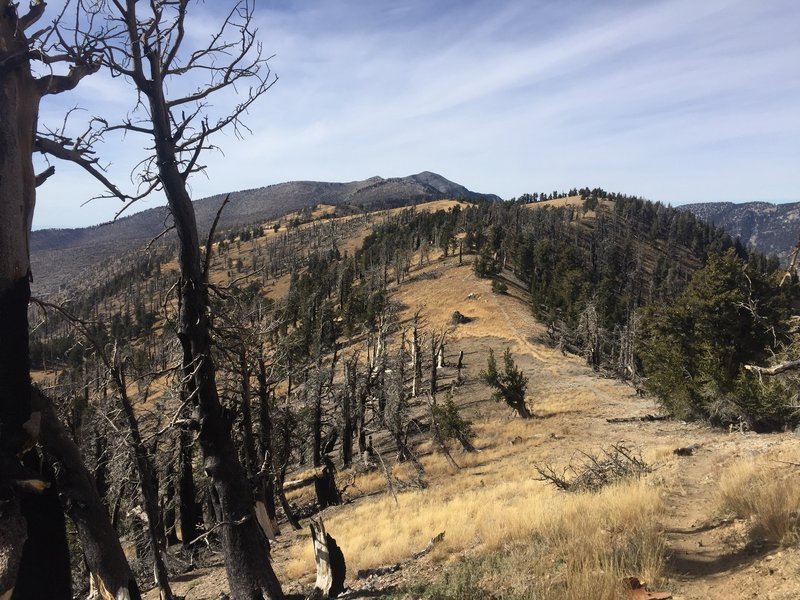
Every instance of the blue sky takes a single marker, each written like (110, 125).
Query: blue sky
(674, 100)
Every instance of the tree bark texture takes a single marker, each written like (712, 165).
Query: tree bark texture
(245, 548)
(105, 558)
(19, 105)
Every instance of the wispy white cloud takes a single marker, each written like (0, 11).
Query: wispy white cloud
(677, 100)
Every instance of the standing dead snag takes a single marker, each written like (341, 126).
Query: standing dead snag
(145, 45)
(331, 568)
(20, 95)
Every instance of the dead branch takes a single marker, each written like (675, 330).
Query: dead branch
(594, 472)
(775, 369)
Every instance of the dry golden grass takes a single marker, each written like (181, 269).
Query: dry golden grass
(558, 202)
(572, 546)
(765, 492)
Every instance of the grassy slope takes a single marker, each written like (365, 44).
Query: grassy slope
(510, 534)
(507, 533)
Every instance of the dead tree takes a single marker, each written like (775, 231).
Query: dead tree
(147, 476)
(348, 399)
(145, 46)
(416, 356)
(108, 568)
(331, 569)
(21, 92)
(437, 359)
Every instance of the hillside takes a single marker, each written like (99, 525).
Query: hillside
(766, 227)
(506, 532)
(61, 256)
(314, 325)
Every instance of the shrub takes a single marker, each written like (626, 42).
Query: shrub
(499, 287)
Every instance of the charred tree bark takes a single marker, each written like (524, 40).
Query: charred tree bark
(148, 488)
(349, 395)
(286, 448)
(19, 103)
(107, 564)
(267, 472)
(325, 485)
(244, 546)
(247, 418)
(20, 96)
(190, 513)
(44, 568)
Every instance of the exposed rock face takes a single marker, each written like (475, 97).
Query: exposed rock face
(769, 228)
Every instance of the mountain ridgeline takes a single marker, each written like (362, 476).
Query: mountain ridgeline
(763, 226)
(60, 256)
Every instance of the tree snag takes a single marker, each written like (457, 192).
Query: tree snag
(331, 568)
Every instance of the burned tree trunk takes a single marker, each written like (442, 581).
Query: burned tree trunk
(267, 473)
(20, 95)
(108, 567)
(19, 102)
(247, 417)
(189, 513)
(325, 485)
(348, 396)
(285, 451)
(148, 486)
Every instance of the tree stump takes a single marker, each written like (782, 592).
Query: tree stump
(331, 568)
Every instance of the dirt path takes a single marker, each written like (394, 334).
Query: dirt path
(708, 556)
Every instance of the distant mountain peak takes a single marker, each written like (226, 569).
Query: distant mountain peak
(89, 246)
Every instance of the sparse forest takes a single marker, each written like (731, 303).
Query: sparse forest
(224, 387)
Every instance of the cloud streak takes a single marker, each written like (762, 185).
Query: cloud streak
(675, 100)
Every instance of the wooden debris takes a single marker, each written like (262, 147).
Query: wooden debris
(331, 568)
(434, 540)
(377, 571)
(638, 591)
(592, 473)
(645, 418)
(686, 450)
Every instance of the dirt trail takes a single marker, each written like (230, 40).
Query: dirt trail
(708, 558)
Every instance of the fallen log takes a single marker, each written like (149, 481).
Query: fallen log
(434, 540)
(645, 418)
(686, 450)
(298, 483)
(377, 571)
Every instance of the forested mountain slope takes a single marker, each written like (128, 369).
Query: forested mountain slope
(334, 338)
(60, 256)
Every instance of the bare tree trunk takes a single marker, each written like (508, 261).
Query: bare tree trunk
(245, 548)
(267, 472)
(286, 443)
(349, 395)
(247, 418)
(148, 488)
(190, 516)
(331, 569)
(434, 367)
(19, 104)
(416, 359)
(107, 564)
